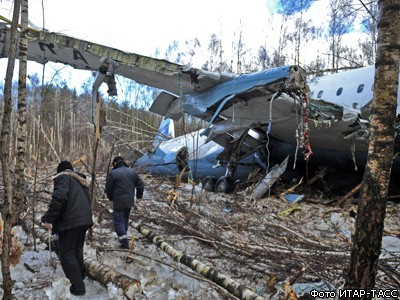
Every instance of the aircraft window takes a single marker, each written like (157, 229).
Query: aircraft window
(339, 91)
(312, 94)
(360, 88)
(320, 94)
(355, 105)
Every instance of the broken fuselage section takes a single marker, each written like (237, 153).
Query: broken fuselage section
(239, 114)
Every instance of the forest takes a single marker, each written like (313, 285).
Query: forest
(263, 250)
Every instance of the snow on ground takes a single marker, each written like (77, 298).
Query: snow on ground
(39, 275)
(247, 241)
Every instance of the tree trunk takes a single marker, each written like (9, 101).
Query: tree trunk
(5, 156)
(367, 239)
(20, 189)
(240, 291)
(93, 182)
(105, 275)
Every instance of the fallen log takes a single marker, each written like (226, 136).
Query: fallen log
(105, 275)
(240, 291)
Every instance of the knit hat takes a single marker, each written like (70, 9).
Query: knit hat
(64, 165)
(117, 160)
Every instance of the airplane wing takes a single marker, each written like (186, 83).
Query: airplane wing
(44, 46)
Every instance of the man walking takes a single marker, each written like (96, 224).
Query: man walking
(70, 215)
(121, 184)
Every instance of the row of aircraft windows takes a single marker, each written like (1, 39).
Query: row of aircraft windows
(340, 90)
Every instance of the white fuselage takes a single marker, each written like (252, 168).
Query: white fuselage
(353, 88)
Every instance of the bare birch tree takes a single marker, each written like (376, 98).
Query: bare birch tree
(367, 239)
(342, 17)
(7, 211)
(20, 190)
(368, 46)
(238, 50)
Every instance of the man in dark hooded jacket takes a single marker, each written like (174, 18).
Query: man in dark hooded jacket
(121, 184)
(70, 215)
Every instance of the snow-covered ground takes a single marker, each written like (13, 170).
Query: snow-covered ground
(250, 242)
(39, 275)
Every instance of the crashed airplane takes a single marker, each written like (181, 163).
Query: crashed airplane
(237, 112)
(339, 111)
(336, 134)
(192, 157)
(269, 114)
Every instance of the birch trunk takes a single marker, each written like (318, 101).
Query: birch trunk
(5, 156)
(367, 239)
(71, 129)
(240, 291)
(48, 140)
(106, 275)
(20, 190)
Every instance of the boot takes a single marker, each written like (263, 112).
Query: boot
(124, 244)
(77, 292)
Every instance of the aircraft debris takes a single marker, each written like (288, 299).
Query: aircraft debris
(272, 176)
(290, 197)
(293, 198)
(289, 211)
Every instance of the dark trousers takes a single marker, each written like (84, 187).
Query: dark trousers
(121, 222)
(71, 255)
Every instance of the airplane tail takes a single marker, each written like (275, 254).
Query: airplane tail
(165, 131)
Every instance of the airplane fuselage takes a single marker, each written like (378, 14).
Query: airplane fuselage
(191, 150)
(341, 138)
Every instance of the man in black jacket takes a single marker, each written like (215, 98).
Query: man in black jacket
(70, 215)
(121, 184)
